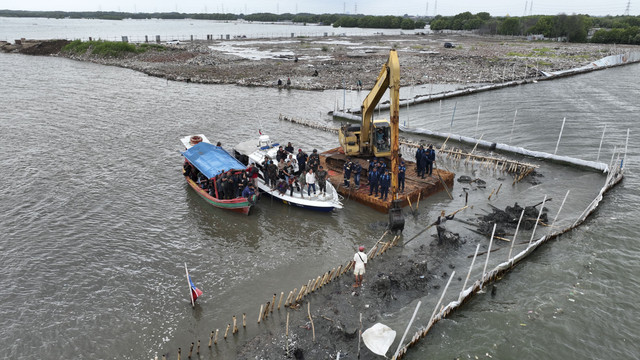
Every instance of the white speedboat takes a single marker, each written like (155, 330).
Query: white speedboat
(254, 151)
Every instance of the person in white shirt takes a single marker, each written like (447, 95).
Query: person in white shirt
(360, 259)
(311, 182)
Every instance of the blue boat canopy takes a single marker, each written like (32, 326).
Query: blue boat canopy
(211, 160)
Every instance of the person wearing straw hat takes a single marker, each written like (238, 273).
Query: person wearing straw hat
(360, 259)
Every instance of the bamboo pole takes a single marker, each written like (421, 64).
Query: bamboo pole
(280, 302)
(601, 140)
(287, 333)
(533, 233)
(497, 191)
(464, 286)
(359, 335)
(313, 328)
(408, 326)
(559, 136)
(561, 205)
(515, 235)
(266, 311)
(484, 271)
(490, 195)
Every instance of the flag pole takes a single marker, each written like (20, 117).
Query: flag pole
(189, 283)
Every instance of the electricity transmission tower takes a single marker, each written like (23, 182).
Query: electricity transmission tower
(626, 11)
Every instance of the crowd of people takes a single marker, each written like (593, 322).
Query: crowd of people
(289, 173)
(227, 185)
(424, 160)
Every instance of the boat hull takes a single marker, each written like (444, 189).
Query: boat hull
(239, 205)
(322, 206)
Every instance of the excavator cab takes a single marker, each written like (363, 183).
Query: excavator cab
(350, 139)
(381, 138)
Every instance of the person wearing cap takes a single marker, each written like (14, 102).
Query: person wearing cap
(360, 259)
(385, 182)
(302, 161)
(314, 160)
(357, 170)
(347, 172)
(401, 173)
(431, 158)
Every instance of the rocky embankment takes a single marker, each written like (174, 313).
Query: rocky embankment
(341, 61)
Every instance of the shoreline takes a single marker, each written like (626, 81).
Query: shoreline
(340, 61)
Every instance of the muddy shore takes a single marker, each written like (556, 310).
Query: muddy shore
(341, 61)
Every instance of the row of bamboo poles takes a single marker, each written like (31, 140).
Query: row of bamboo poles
(501, 269)
(294, 298)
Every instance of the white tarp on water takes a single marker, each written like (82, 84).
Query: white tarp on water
(604, 62)
(379, 338)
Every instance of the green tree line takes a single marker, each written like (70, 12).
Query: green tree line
(575, 28)
(337, 20)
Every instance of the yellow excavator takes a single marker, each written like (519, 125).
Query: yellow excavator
(379, 138)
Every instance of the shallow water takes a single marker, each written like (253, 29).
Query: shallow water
(97, 221)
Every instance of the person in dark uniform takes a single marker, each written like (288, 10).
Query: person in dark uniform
(314, 161)
(373, 181)
(420, 165)
(401, 175)
(302, 161)
(385, 182)
(431, 158)
(289, 148)
(357, 172)
(347, 172)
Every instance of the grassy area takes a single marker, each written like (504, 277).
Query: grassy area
(108, 48)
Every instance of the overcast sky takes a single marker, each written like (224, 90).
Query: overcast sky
(368, 7)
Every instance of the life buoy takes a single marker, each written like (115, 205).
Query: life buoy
(195, 139)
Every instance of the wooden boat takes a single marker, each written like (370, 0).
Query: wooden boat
(211, 161)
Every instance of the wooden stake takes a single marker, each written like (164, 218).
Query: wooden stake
(198, 348)
(211, 338)
(266, 311)
(280, 302)
(490, 195)
(418, 202)
(179, 355)
(227, 331)
(190, 350)
(359, 335)
(235, 327)
(244, 320)
(215, 339)
(273, 302)
(260, 314)
(498, 189)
